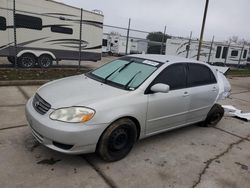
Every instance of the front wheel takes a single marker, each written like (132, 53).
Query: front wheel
(117, 140)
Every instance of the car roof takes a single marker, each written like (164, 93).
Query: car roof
(164, 58)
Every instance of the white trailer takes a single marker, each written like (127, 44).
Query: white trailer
(47, 30)
(214, 53)
(138, 46)
(118, 44)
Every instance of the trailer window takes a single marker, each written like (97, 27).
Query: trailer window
(234, 53)
(245, 54)
(59, 29)
(224, 52)
(29, 22)
(218, 52)
(104, 42)
(2, 23)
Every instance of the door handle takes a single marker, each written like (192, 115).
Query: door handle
(214, 88)
(186, 94)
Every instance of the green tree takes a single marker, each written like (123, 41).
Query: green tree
(157, 36)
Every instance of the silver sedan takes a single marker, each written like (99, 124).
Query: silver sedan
(108, 109)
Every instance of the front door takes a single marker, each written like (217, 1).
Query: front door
(167, 110)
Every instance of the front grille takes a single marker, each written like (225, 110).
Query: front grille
(40, 105)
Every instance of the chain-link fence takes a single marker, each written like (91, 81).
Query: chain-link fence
(34, 39)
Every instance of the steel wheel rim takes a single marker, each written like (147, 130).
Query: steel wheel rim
(119, 140)
(45, 62)
(27, 61)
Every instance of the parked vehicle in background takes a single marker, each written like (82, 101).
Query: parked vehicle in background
(47, 30)
(136, 96)
(217, 53)
(118, 44)
(139, 46)
(115, 44)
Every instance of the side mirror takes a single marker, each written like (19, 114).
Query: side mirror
(160, 88)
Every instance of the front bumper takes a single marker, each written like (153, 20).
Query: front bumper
(68, 138)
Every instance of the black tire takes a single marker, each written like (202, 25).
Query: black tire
(117, 140)
(214, 116)
(45, 61)
(27, 61)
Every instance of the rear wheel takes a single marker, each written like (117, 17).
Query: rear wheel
(27, 61)
(117, 141)
(214, 116)
(45, 61)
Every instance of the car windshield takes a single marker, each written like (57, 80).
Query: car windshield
(126, 73)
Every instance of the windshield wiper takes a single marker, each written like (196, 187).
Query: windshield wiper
(124, 66)
(129, 82)
(105, 79)
(121, 68)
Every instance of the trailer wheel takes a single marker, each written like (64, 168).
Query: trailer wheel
(27, 61)
(45, 61)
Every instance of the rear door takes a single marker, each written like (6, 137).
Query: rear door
(203, 90)
(167, 110)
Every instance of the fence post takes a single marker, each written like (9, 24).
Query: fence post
(210, 50)
(189, 44)
(241, 52)
(80, 42)
(227, 52)
(163, 37)
(129, 21)
(14, 29)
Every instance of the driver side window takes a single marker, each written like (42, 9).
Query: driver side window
(174, 75)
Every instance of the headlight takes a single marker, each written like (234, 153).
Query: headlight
(72, 114)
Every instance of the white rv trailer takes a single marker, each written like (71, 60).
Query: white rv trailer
(221, 53)
(118, 44)
(138, 46)
(47, 30)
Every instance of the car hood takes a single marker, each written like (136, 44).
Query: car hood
(77, 91)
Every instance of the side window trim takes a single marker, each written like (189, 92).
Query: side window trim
(147, 91)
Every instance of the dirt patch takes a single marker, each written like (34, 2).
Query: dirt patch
(39, 74)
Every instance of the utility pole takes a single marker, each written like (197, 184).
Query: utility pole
(129, 21)
(163, 37)
(189, 44)
(202, 29)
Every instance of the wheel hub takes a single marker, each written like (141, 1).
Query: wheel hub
(119, 139)
(27, 62)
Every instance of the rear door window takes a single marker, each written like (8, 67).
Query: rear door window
(199, 75)
(174, 76)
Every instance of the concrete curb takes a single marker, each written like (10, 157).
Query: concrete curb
(23, 82)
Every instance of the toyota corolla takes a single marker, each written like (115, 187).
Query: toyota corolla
(108, 109)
